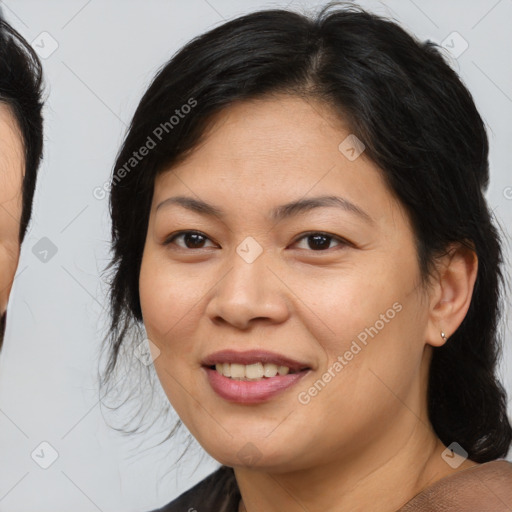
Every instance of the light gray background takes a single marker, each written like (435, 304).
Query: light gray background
(107, 53)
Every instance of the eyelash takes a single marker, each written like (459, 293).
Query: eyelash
(306, 235)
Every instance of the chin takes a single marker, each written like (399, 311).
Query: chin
(251, 455)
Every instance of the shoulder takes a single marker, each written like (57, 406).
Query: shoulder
(218, 492)
(484, 487)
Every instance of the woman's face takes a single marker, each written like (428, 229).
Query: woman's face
(334, 289)
(11, 178)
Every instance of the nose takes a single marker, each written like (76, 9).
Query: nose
(249, 293)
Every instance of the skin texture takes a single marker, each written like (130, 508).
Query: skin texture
(11, 178)
(367, 431)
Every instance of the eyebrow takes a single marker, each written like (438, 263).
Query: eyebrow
(277, 214)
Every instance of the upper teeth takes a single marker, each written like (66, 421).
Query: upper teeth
(251, 371)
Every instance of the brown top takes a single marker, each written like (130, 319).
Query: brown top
(483, 488)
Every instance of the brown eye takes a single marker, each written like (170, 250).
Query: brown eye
(321, 241)
(191, 239)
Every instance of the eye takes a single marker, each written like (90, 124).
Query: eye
(318, 241)
(191, 239)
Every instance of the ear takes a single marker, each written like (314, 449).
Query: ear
(451, 292)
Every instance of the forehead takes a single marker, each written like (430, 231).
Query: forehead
(279, 145)
(11, 142)
(12, 161)
(272, 125)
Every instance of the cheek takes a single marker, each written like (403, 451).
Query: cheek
(350, 304)
(158, 292)
(10, 215)
(166, 311)
(375, 321)
(9, 256)
(169, 297)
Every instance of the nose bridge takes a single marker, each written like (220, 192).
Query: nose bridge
(249, 290)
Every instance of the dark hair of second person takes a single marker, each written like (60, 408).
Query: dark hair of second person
(20, 148)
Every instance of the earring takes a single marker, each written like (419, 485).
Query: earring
(443, 335)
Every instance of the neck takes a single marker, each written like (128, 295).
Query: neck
(387, 475)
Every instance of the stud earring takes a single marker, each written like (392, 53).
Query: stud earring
(443, 335)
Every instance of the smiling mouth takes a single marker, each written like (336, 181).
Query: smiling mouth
(248, 384)
(253, 372)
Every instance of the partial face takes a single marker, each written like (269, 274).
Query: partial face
(11, 179)
(331, 292)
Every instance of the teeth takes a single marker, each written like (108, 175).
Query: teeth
(237, 371)
(254, 371)
(270, 370)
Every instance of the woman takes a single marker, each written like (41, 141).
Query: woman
(300, 226)
(21, 143)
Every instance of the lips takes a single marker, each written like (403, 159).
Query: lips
(253, 357)
(252, 391)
